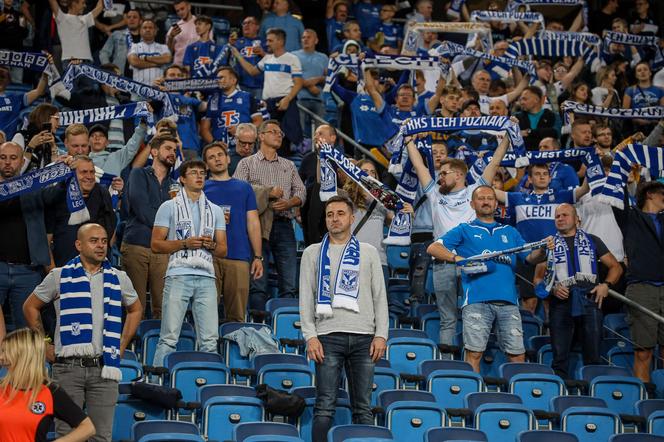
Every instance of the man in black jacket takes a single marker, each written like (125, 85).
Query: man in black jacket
(643, 231)
(535, 123)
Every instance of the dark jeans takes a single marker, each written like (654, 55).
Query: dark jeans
(17, 281)
(283, 248)
(418, 261)
(350, 352)
(564, 327)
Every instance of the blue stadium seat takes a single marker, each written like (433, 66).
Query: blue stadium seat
(342, 416)
(656, 422)
(503, 421)
(546, 436)
(287, 326)
(562, 403)
(406, 348)
(450, 381)
(534, 343)
(409, 413)
(385, 378)
(646, 407)
(532, 326)
(454, 434)
(142, 429)
(619, 390)
(187, 342)
(615, 325)
(131, 370)
(472, 401)
(129, 355)
(545, 356)
(431, 325)
(191, 370)
(636, 437)
(167, 437)
(249, 429)
(535, 384)
(342, 433)
(492, 359)
(283, 371)
(590, 424)
(143, 327)
(622, 356)
(397, 260)
(129, 410)
(223, 407)
(231, 351)
(657, 378)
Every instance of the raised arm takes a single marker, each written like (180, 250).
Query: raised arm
(491, 168)
(433, 102)
(55, 7)
(370, 87)
(38, 91)
(418, 163)
(98, 8)
(582, 189)
(513, 95)
(248, 67)
(574, 72)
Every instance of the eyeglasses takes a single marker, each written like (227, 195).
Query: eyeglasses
(274, 132)
(245, 143)
(200, 173)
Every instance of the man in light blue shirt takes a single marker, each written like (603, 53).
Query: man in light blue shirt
(192, 230)
(314, 66)
(283, 19)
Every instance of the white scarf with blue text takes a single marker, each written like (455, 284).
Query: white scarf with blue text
(344, 292)
(184, 228)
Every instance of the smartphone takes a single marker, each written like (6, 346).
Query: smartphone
(46, 126)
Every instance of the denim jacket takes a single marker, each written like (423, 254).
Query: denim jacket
(253, 342)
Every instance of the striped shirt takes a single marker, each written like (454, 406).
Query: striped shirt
(148, 75)
(280, 172)
(279, 73)
(116, 138)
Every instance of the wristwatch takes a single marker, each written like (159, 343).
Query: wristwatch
(260, 258)
(608, 284)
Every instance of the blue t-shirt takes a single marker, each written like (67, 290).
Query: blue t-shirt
(368, 17)
(333, 29)
(246, 48)
(187, 128)
(165, 218)
(225, 111)
(535, 213)
(10, 111)
(313, 64)
(199, 56)
(644, 97)
(563, 176)
(476, 237)
(392, 32)
(369, 126)
(236, 198)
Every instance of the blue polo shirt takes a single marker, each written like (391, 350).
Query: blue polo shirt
(313, 64)
(10, 111)
(475, 238)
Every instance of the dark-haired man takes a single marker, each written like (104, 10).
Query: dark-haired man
(117, 46)
(535, 122)
(199, 56)
(192, 231)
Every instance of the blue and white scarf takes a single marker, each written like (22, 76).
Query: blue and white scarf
(588, 155)
(651, 158)
(513, 5)
(346, 284)
(629, 39)
(184, 228)
(95, 115)
(507, 17)
(76, 316)
(118, 82)
(108, 5)
(585, 262)
(192, 84)
(645, 113)
(547, 47)
(42, 178)
(34, 61)
(587, 37)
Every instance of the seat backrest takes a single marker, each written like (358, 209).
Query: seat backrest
(310, 393)
(537, 342)
(562, 403)
(262, 360)
(406, 333)
(636, 437)
(209, 391)
(452, 434)
(191, 356)
(275, 303)
(646, 407)
(341, 433)
(590, 421)
(510, 369)
(247, 429)
(387, 397)
(546, 436)
(589, 372)
(143, 428)
(426, 367)
(474, 400)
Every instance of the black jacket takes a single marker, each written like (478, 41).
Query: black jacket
(544, 129)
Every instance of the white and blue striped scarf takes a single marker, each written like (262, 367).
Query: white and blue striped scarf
(507, 17)
(95, 115)
(514, 5)
(192, 84)
(76, 316)
(412, 40)
(553, 47)
(346, 284)
(123, 84)
(646, 113)
(649, 157)
(44, 177)
(34, 61)
(648, 41)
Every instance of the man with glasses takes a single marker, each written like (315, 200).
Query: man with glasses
(246, 135)
(226, 109)
(252, 48)
(266, 168)
(192, 230)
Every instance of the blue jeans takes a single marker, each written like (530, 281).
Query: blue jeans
(178, 291)
(350, 352)
(563, 325)
(283, 248)
(418, 261)
(447, 288)
(17, 281)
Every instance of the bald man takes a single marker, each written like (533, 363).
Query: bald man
(82, 374)
(576, 299)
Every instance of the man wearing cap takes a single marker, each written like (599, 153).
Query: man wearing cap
(113, 162)
(199, 56)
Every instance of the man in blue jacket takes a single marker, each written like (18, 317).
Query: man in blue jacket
(489, 296)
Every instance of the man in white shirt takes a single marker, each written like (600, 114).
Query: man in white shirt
(148, 58)
(481, 82)
(282, 82)
(183, 33)
(73, 28)
(450, 206)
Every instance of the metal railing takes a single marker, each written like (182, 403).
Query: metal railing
(195, 5)
(343, 136)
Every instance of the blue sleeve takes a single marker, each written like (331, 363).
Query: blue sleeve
(188, 59)
(630, 92)
(163, 216)
(453, 238)
(189, 101)
(570, 179)
(512, 199)
(565, 196)
(391, 95)
(251, 198)
(343, 93)
(22, 100)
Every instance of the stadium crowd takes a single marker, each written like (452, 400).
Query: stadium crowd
(155, 164)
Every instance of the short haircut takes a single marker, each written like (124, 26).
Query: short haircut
(136, 11)
(178, 67)
(644, 189)
(191, 164)
(554, 141)
(230, 70)
(456, 164)
(406, 86)
(212, 145)
(579, 122)
(482, 186)
(246, 127)
(263, 127)
(348, 24)
(177, 2)
(607, 161)
(340, 199)
(542, 166)
(149, 20)
(312, 31)
(167, 122)
(534, 90)
(601, 126)
(277, 32)
(451, 90)
(159, 140)
(84, 158)
(75, 129)
(204, 19)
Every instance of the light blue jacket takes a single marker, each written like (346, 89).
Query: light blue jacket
(114, 162)
(115, 50)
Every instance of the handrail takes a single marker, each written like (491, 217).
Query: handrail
(194, 4)
(344, 136)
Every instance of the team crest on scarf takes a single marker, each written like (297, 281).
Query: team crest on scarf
(349, 280)
(182, 229)
(75, 328)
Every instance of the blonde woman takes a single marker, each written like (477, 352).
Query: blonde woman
(28, 400)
